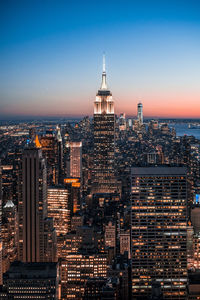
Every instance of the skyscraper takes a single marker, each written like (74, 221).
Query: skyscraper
(159, 229)
(104, 140)
(32, 207)
(140, 113)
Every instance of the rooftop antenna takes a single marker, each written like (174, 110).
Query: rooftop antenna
(104, 63)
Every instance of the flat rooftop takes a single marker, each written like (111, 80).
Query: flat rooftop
(158, 171)
(20, 270)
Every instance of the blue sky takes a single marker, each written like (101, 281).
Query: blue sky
(51, 56)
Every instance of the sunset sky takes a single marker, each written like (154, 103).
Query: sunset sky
(51, 56)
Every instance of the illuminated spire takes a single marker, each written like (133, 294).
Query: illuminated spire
(104, 63)
(59, 137)
(103, 83)
(37, 142)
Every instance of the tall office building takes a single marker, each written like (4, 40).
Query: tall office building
(104, 140)
(140, 113)
(78, 268)
(159, 230)
(32, 203)
(75, 159)
(32, 207)
(58, 209)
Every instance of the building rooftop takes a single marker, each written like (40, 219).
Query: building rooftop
(158, 171)
(20, 270)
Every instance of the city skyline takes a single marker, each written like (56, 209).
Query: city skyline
(51, 57)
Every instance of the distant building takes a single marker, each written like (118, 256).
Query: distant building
(110, 235)
(140, 113)
(159, 231)
(75, 159)
(60, 156)
(76, 221)
(125, 243)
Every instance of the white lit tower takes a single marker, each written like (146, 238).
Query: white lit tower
(140, 113)
(104, 140)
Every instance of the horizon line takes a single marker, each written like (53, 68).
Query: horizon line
(70, 116)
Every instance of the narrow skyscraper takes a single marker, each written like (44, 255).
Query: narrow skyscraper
(32, 204)
(140, 113)
(104, 140)
(32, 207)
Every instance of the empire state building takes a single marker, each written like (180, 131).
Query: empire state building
(104, 140)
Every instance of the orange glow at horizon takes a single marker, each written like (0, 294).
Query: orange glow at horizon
(180, 105)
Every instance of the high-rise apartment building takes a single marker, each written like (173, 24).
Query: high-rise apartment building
(104, 140)
(159, 230)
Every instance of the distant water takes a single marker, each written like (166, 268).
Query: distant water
(182, 129)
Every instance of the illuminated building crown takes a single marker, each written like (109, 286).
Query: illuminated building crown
(104, 103)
